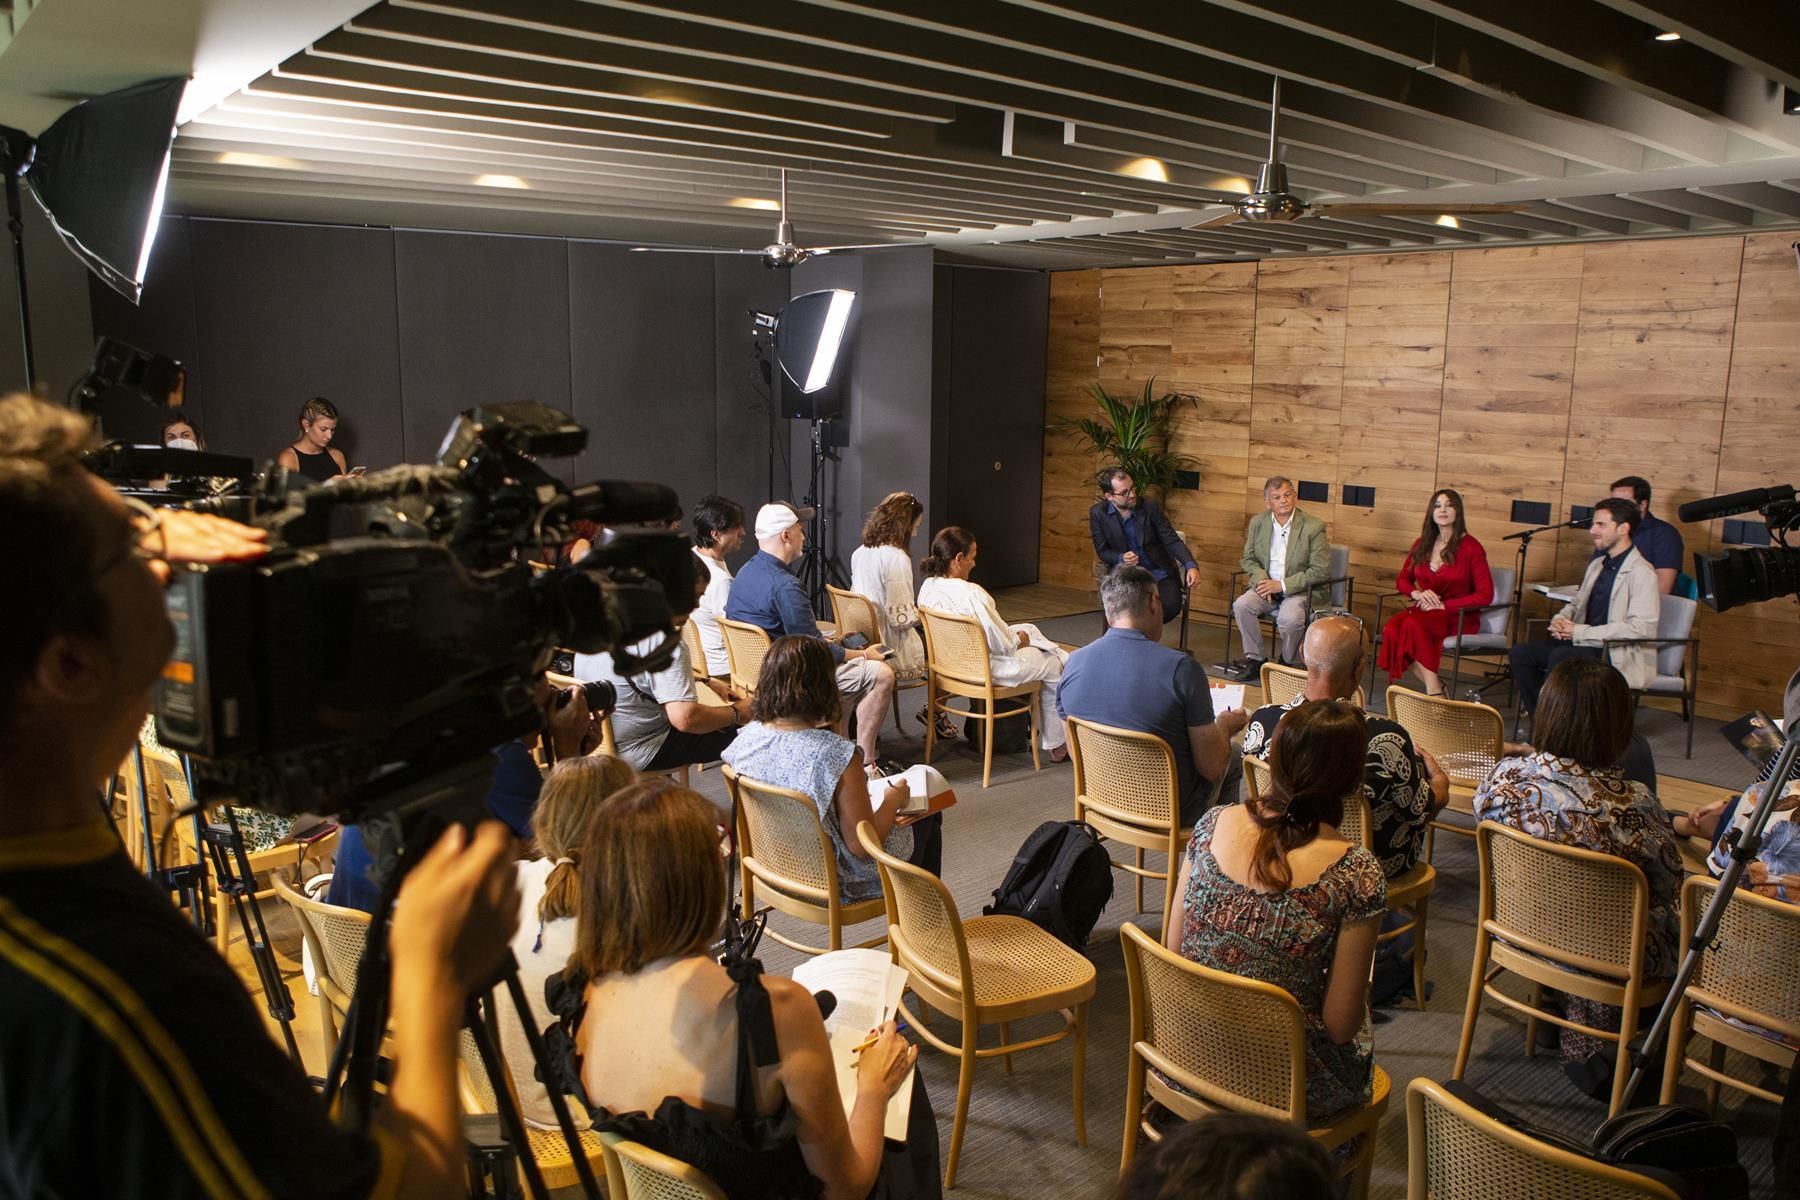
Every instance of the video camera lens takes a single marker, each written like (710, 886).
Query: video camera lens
(601, 695)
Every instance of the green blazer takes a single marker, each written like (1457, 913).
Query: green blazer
(1308, 558)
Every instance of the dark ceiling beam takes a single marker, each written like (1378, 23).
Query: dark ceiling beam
(1763, 197)
(1764, 38)
(1629, 210)
(1281, 45)
(1691, 204)
(1613, 48)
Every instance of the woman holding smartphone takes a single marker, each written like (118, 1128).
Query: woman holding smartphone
(313, 455)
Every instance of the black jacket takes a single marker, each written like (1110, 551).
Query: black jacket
(1163, 550)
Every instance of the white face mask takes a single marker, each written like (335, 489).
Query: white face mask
(183, 444)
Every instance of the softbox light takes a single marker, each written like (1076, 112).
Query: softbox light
(809, 334)
(100, 171)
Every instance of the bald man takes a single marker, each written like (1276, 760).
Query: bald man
(1404, 786)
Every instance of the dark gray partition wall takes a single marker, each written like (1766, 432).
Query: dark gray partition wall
(163, 322)
(62, 334)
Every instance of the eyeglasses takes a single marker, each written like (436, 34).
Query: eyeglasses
(146, 522)
(1127, 494)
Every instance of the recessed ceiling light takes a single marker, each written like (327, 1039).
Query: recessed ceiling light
(1449, 222)
(273, 162)
(756, 202)
(1146, 168)
(1664, 35)
(501, 181)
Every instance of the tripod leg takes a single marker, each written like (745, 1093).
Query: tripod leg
(558, 1102)
(510, 1121)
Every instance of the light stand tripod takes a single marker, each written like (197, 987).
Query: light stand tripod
(819, 565)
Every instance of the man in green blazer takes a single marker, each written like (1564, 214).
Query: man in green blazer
(1287, 556)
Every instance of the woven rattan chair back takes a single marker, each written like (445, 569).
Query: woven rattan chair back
(1531, 888)
(696, 649)
(785, 845)
(1355, 827)
(1124, 773)
(746, 646)
(1752, 969)
(340, 934)
(853, 612)
(1238, 1044)
(956, 647)
(1257, 776)
(923, 925)
(1466, 738)
(1455, 1152)
(636, 1172)
(1282, 683)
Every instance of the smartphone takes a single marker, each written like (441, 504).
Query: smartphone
(358, 470)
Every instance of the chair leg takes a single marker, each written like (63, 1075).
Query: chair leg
(965, 1083)
(1365, 1165)
(1531, 1023)
(1471, 1010)
(1081, 1016)
(1672, 1062)
(1140, 879)
(931, 712)
(1134, 1102)
(1717, 1062)
(1005, 1037)
(221, 915)
(987, 748)
(1622, 1059)
(1037, 762)
(1430, 841)
(1688, 717)
(1419, 954)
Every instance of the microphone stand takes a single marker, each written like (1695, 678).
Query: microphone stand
(1523, 537)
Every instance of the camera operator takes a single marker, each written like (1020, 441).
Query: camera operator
(511, 798)
(133, 1061)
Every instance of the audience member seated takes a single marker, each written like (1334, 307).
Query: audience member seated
(790, 743)
(1287, 555)
(734, 1075)
(1016, 653)
(1231, 1156)
(511, 797)
(549, 898)
(1776, 871)
(1446, 575)
(312, 455)
(718, 533)
(1618, 599)
(1130, 680)
(1657, 540)
(1567, 791)
(1134, 532)
(1270, 890)
(881, 569)
(658, 722)
(1403, 785)
(767, 595)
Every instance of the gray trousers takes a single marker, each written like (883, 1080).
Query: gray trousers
(1290, 623)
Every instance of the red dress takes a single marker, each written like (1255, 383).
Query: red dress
(1414, 635)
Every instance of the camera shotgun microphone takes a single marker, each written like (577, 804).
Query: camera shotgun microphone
(1734, 503)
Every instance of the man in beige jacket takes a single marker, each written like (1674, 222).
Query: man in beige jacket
(1619, 598)
(1287, 560)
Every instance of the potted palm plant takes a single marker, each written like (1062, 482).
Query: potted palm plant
(1134, 435)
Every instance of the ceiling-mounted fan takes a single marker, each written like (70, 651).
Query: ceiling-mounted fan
(783, 251)
(1272, 202)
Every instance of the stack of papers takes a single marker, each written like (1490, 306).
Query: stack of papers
(923, 783)
(1227, 695)
(868, 987)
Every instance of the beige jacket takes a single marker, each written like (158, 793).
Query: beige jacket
(1632, 612)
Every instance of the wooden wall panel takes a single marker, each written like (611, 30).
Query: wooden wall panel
(1748, 653)
(1507, 377)
(1393, 393)
(1297, 388)
(1214, 334)
(1065, 555)
(1651, 361)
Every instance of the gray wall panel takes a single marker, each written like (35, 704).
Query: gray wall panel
(62, 331)
(163, 321)
(741, 413)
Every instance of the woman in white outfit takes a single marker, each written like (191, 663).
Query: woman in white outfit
(881, 569)
(1016, 653)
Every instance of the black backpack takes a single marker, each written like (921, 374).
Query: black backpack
(1061, 881)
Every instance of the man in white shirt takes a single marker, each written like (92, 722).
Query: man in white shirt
(718, 533)
(1287, 557)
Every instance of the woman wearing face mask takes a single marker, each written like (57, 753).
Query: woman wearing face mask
(312, 454)
(179, 433)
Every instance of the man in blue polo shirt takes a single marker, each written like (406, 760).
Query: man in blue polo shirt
(1130, 680)
(1657, 540)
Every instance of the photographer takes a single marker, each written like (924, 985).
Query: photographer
(134, 1063)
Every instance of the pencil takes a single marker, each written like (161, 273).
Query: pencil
(866, 1043)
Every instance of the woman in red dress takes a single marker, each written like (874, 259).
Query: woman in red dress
(1446, 574)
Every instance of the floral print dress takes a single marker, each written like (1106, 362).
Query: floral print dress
(1559, 800)
(1288, 939)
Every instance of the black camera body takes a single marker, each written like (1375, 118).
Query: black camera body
(399, 627)
(1748, 574)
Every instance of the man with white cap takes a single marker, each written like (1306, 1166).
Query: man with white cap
(766, 594)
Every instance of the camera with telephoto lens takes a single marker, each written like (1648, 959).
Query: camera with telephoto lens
(398, 629)
(601, 695)
(1748, 574)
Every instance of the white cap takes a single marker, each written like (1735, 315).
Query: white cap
(771, 519)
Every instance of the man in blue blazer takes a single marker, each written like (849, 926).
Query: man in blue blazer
(1132, 530)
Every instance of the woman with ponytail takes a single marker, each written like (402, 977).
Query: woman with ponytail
(549, 896)
(1271, 891)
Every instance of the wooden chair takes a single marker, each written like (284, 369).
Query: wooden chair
(783, 845)
(854, 612)
(1127, 788)
(1529, 894)
(548, 1148)
(1751, 972)
(1227, 1044)
(1282, 683)
(1677, 658)
(696, 650)
(1466, 738)
(746, 646)
(1454, 1150)
(167, 779)
(335, 936)
(983, 970)
(956, 664)
(1409, 892)
(636, 1172)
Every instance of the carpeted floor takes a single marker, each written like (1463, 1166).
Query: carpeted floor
(1020, 1141)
